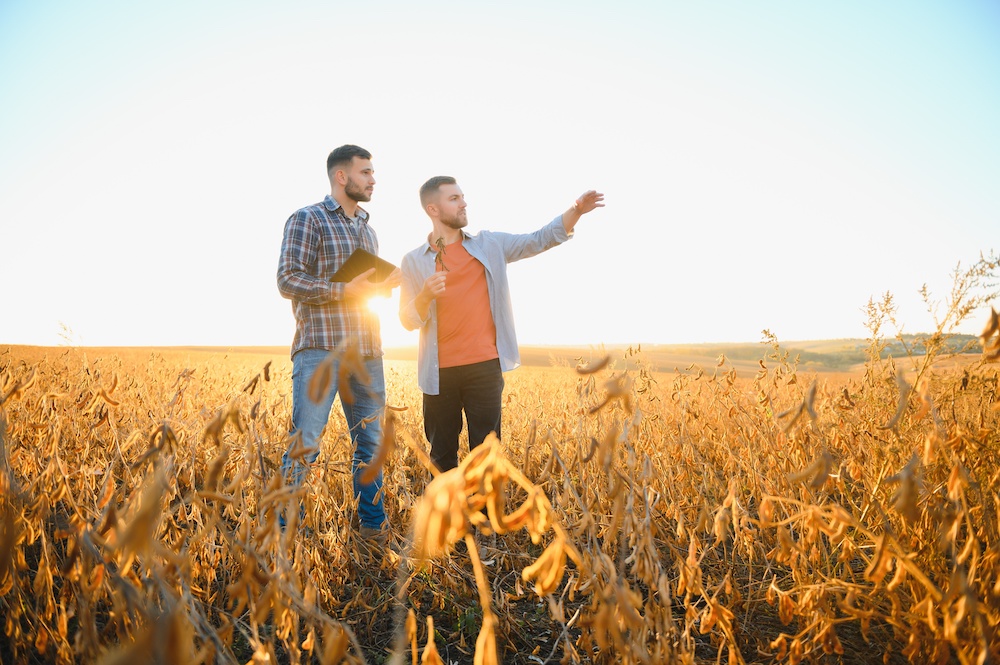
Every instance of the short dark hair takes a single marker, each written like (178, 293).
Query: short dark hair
(431, 187)
(343, 155)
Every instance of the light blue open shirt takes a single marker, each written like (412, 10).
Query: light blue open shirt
(494, 250)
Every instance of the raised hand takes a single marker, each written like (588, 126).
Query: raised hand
(589, 200)
(433, 286)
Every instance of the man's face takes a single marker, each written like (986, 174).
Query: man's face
(451, 207)
(360, 179)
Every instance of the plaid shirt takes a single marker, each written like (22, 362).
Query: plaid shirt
(317, 241)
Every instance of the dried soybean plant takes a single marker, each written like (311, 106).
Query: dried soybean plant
(697, 514)
(746, 513)
(471, 497)
(127, 537)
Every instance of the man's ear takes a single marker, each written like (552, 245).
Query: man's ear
(432, 210)
(338, 176)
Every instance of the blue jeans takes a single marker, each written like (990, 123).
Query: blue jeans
(310, 418)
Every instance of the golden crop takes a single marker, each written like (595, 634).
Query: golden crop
(641, 517)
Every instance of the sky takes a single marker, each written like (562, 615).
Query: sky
(767, 165)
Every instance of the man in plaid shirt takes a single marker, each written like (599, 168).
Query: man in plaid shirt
(317, 240)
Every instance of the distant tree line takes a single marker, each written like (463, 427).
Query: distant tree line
(844, 354)
(851, 354)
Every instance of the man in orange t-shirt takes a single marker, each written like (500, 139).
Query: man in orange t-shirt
(467, 337)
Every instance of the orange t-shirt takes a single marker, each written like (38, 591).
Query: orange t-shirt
(466, 332)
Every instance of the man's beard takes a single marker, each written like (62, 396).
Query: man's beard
(355, 192)
(459, 221)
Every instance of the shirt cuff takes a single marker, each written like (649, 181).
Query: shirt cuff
(562, 235)
(411, 317)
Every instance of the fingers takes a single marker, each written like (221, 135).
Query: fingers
(435, 284)
(363, 277)
(589, 200)
(394, 279)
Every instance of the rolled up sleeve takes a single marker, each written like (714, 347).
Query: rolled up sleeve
(409, 288)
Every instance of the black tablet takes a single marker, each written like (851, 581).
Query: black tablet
(360, 261)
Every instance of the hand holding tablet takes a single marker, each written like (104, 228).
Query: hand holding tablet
(360, 261)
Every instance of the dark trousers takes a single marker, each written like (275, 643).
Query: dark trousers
(475, 389)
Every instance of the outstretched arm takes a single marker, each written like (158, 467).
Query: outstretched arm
(587, 202)
(517, 246)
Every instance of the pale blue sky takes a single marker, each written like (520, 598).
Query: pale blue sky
(766, 165)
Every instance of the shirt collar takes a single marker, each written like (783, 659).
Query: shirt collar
(430, 247)
(331, 204)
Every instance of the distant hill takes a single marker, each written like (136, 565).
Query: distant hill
(838, 355)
